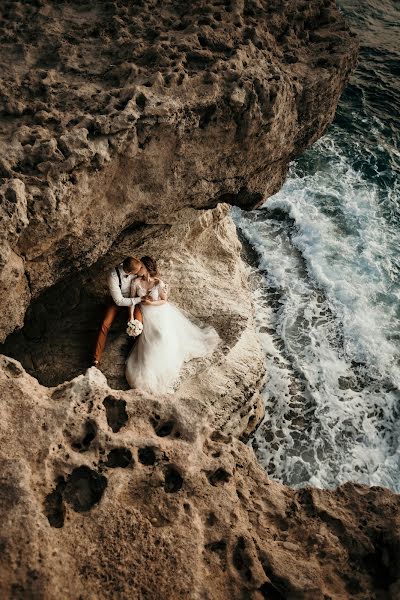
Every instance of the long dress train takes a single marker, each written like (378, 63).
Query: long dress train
(168, 340)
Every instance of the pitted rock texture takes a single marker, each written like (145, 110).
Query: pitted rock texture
(126, 128)
(200, 258)
(109, 494)
(114, 114)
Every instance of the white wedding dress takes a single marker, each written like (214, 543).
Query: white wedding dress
(168, 339)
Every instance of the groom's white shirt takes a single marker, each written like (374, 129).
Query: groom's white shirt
(121, 295)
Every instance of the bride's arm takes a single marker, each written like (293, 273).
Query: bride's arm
(154, 302)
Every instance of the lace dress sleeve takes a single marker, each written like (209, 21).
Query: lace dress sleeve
(163, 289)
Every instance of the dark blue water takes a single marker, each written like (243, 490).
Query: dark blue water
(328, 292)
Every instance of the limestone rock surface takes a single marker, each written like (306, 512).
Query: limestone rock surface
(110, 494)
(116, 113)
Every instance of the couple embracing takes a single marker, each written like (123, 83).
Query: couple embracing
(165, 337)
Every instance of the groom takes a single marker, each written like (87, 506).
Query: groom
(119, 283)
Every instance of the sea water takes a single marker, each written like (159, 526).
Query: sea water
(328, 284)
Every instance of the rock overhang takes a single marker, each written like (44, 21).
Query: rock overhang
(116, 115)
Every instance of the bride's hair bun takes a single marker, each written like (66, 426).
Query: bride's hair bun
(150, 265)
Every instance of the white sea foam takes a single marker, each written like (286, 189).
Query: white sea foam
(328, 319)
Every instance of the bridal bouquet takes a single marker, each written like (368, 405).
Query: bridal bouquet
(134, 328)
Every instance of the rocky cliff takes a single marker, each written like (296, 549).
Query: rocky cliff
(129, 128)
(117, 113)
(106, 495)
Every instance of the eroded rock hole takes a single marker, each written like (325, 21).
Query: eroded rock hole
(147, 456)
(164, 429)
(141, 101)
(206, 115)
(84, 488)
(219, 476)
(211, 519)
(383, 562)
(269, 592)
(275, 586)
(119, 457)
(53, 344)
(173, 479)
(115, 412)
(60, 329)
(218, 436)
(241, 560)
(53, 506)
(89, 436)
(218, 547)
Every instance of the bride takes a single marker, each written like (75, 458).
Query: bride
(168, 339)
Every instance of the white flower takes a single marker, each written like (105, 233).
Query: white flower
(134, 328)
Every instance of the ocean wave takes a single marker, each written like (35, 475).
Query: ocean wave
(328, 284)
(328, 299)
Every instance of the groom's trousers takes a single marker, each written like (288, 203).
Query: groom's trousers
(111, 312)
